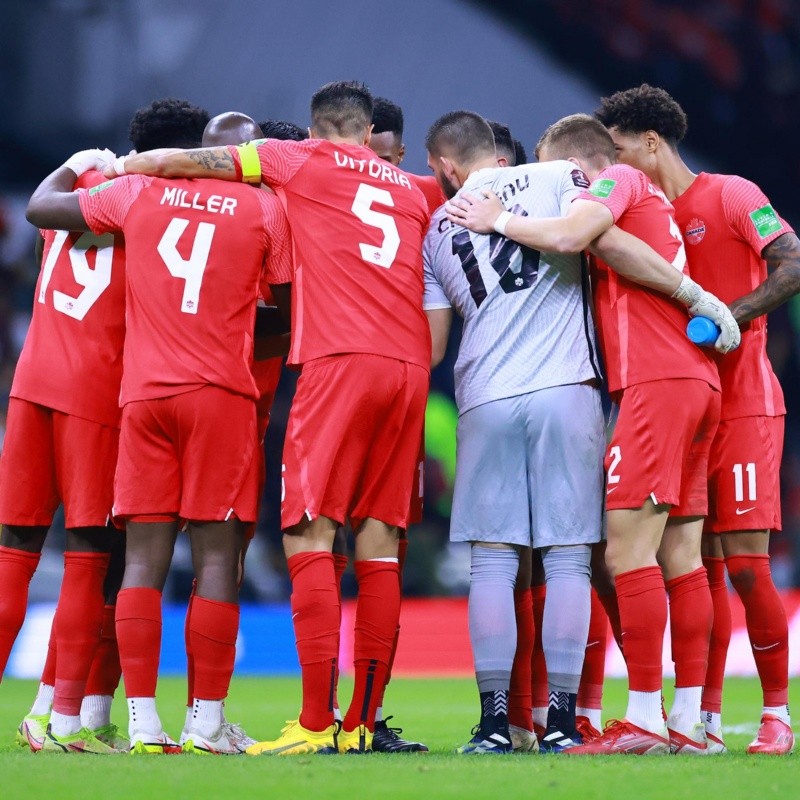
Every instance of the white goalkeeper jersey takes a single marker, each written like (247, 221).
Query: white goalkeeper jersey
(527, 315)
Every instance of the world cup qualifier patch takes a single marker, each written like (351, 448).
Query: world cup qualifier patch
(100, 187)
(603, 187)
(765, 221)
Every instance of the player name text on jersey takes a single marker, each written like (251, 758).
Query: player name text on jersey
(375, 169)
(215, 203)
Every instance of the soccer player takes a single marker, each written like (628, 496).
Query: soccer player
(733, 237)
(355, 426)
(530, 432)
(651, 471)
(180, 377)
(67, 401)
(280, 129)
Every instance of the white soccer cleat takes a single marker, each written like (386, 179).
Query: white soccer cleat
(145, 743)
(523, 741)
(238, 735)
(221, 743)
(693, 742)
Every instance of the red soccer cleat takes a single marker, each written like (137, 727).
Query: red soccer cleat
(622, 737)
(774, 738)
(587, 731)
(691, 743)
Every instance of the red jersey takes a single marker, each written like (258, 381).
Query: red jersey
(727, 222)
(72, 357)
(196, 255)
(642, 332)
(429, 186)
(358, 224)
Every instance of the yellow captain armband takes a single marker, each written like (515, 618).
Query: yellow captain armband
(250, 163)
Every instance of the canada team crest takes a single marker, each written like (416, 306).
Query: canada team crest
(695, 231)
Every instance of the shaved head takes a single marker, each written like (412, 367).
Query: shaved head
(230, 128)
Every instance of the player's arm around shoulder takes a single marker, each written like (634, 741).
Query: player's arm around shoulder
(203, 162)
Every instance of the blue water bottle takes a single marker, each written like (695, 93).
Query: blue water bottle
(702, 331)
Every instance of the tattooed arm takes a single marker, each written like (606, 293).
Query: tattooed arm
(205, 162)
(783, 262)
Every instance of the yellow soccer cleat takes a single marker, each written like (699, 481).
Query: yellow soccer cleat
(355, 741)
(295, 740)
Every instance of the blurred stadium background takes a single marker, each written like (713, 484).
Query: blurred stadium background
(74, 71)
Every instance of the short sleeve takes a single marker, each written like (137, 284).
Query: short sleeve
(279, 160)
(617, 188)
(434, 295)
(105, 206)
(750, 214)
(279, 264)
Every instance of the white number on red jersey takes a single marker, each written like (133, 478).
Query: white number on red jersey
(94, 281)
(384, 255)
(679, 262)
(191, 270)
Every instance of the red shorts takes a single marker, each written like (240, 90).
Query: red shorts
(353, 440)
(744, 475)
(661, 444)
(51, 458)
(267, 374)
(192, 455)
(418, 487)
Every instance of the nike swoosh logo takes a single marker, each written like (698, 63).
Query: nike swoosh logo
(614, 489)
(740, 511)
(768, 647)
(276, 750)
(592, 644)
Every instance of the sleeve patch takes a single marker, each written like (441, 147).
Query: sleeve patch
(603, 187)
(765, 221)
(100, 187)
(579, 179)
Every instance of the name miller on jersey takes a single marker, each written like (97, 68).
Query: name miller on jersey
(215, 203)
(375, 169)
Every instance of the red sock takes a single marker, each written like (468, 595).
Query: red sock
(691, 616)
(139, 639)
(402, 549)
(519, 697)
(105, 672)
(316, 612)
(16, 570)
(720, 635)
(213, 627)
(590, 692)
(78, 620)
(642, 600)
(539, 693)
(609, 602)
(49, 669)
(377, 614)
(190, 695)
(766, 624)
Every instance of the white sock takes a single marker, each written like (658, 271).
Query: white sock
(712, 721)
(337, 713)
(96, 711)
(685, 712)
(44, 700)
(64, 724)
(206, 716)
(540, 716)
(594, 715)
(781, 712)
(143, 717)
(644, 710)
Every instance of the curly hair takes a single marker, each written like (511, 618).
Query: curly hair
(520, 154)
(387, 117)
(644, 108)
(168, 123)
(281, 129)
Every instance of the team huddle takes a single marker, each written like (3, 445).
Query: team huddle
(176, 279)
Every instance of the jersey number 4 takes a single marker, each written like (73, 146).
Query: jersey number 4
(191, 269)
(517, 265)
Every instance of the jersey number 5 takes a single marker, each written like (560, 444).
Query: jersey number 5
(190, 269)
(366, 196)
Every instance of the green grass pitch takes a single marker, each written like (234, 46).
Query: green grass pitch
(437, 711)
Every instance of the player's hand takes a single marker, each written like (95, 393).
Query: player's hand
(709, 305)
(478, 214)
(85, 160)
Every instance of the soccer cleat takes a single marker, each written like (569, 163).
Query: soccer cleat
(586, 730)
(556, 741)
(84, 741)
(493, 744)
(621, 737)
(237, 733)
(112, 737)
(716, 746)
(32, 731)
(693, 743)
(153, 744)
(523, 741)
(774, 737)
(220, 744)
(295, 740)
(355, 741)
(388, 740)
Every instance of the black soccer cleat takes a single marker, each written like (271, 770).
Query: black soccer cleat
(388, 740)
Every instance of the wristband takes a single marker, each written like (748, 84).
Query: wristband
(118, 165)
(501, 222)
(250, 162)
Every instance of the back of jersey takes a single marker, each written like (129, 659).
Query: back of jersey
(527, 315)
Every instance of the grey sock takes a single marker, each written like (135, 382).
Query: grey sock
(566, 614)
(492, 624)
